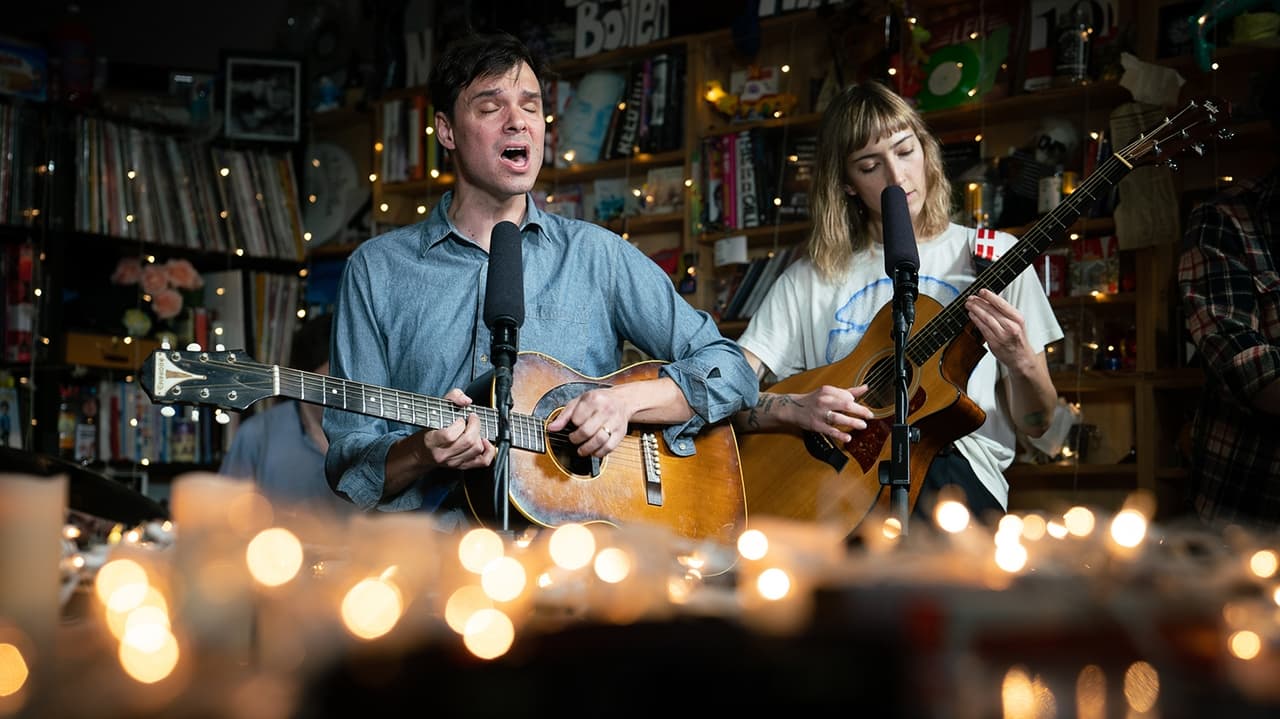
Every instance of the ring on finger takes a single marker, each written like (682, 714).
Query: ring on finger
(829, 416)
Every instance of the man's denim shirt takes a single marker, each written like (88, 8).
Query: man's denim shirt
(410, 317)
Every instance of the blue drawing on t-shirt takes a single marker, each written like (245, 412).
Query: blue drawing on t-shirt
(854, 317)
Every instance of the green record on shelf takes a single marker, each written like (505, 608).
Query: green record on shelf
(951, 77)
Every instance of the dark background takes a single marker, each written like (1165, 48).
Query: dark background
(133, 46)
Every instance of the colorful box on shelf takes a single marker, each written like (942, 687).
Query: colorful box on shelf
(107, 351)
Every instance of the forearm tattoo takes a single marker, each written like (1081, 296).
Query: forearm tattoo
(766, 405)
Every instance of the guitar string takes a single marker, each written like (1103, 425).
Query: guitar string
(953, 317)
(411, 408)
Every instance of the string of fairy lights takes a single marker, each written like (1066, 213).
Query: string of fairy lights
(165, 596)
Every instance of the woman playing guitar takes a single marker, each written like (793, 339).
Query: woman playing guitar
(820, 312)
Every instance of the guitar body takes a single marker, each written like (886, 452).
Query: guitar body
(699, 497)
(808, 477)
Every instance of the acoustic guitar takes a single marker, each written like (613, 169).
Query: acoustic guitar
(699, 497)
(809, 477)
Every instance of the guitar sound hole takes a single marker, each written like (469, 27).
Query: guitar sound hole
(881, 378)
(565, 454)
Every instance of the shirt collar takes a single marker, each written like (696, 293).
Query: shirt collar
(438, 227)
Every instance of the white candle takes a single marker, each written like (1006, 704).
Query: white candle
(214, 519)
(32, 513)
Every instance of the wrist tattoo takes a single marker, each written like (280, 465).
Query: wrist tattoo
(1036, 420)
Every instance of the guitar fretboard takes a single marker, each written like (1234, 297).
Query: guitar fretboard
(527, 431)
(951, 320)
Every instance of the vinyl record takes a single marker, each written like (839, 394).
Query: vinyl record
(950, 75)
(335, 182)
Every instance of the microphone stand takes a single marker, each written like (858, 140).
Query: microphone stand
(503, 353)
(898, 478)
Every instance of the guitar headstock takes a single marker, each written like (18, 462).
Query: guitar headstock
(1185, 130)
(226, 379)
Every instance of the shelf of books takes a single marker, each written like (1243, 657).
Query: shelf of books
(120, 235)
(170, 191)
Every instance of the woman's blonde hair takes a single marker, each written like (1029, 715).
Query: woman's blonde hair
(860, 115)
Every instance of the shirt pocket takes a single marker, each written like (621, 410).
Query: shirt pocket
(558, 312)
(560, 330)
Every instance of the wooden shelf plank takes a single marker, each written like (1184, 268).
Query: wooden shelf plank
(623, 166)
(792, 231)
(1028, 106)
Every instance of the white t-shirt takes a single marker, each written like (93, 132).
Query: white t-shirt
(807, 322)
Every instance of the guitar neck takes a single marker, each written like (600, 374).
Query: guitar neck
(253, 379)
(527, 432)
(948, 323)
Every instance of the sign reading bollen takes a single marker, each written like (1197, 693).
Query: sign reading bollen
(602, 25)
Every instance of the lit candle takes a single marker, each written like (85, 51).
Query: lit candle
(215, 518)
(32, 514)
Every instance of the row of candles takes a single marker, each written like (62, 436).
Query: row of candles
(233, 589)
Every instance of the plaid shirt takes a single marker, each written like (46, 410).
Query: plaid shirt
(1230, 286)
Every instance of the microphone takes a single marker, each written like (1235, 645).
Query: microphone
(504, 313)
(900, 251)
(901, 256)
(504, 293)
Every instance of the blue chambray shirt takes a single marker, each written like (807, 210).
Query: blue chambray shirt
(409, 316)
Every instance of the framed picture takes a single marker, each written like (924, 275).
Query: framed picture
(263, 99)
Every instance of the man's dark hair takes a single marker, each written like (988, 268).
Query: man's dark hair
(310, 347)
(473, 57)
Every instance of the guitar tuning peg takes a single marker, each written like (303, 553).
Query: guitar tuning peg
(164, 343)
(1198, 148)
(194, 347)
(168, 411)
(1171, 164)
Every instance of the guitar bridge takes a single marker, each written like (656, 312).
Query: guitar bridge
(652, 463)
(824, 450)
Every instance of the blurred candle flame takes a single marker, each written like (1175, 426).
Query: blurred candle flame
(753, 544)
(1264, 563)
(1128, 528)
(150, 667)
(952, 516)
(572, 546)
(462, 604)
(1245, 644)
(773, 584)
(13, 670)
(489, 633)
(479, 547)
(503, 579)
(371, 608)
(121, 584)
(1079, 521)
(613, 565)
(274, 556)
